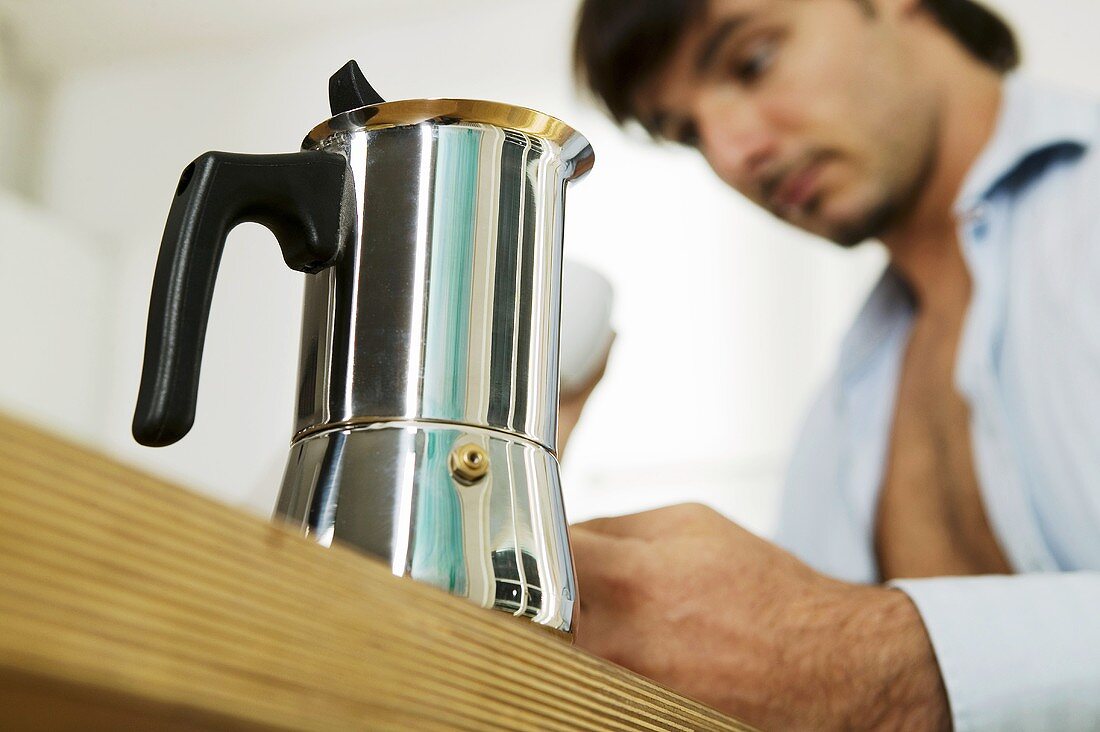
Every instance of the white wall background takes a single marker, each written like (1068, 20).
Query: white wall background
(726, 320)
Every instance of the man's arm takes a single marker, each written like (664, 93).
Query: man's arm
(690, 599)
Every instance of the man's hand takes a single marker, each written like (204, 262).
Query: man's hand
(693, 601)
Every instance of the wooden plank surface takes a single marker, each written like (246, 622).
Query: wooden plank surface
(128, 602)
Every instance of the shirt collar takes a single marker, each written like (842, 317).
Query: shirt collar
(1033, 118)
(888, 305)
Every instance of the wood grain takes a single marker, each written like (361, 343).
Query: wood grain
(128, 602)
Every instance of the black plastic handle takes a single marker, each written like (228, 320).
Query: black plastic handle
(303, 197)
(349, 89)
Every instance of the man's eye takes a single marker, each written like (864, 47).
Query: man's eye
(751, 67)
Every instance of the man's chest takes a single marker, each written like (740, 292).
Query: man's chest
(930, 518)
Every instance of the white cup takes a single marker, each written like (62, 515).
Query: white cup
(586, 330)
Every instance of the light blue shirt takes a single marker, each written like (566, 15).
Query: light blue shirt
(1019, 651)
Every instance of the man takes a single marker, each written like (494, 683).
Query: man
(945, 492)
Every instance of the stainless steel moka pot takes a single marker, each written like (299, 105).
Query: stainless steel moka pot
(430, 232)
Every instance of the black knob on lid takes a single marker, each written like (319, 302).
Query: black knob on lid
(349, 89)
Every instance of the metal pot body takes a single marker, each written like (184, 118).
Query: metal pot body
(388, 489)
(436, 331)
(446, 306)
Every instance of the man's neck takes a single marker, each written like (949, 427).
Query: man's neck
(923, 245)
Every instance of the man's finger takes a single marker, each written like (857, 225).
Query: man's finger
(598, 633)
(603, 593)
(605, 569)
(657, 523)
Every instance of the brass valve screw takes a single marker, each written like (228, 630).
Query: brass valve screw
(468, 463)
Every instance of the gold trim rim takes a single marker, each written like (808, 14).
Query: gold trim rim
(408, 112)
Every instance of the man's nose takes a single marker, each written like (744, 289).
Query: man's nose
(735, 139)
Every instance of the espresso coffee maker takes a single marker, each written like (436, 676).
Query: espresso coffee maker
(430, 232)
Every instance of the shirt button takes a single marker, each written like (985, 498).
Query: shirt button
(979, 226)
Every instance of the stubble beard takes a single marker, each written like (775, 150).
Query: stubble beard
(892, 208)
(880, 219)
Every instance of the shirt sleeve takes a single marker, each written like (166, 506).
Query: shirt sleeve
(1015, 652)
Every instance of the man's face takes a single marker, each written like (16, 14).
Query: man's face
(807, 107)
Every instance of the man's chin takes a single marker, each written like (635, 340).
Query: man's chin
(851, 236)
(844, 228)
(852, 231)
(844, 234)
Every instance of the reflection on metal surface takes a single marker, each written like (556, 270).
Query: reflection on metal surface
(428, 384)
(447, 307)
(387, 489)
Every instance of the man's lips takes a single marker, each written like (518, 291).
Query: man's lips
(793, 189)
(797, 188)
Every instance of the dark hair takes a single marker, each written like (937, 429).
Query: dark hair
(621, 44)
(980, 31)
